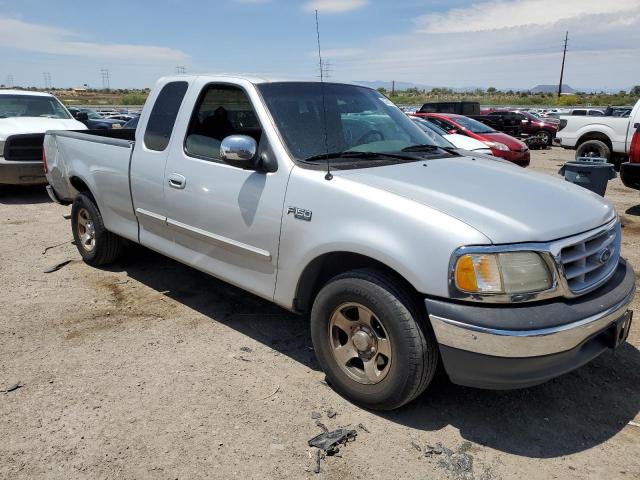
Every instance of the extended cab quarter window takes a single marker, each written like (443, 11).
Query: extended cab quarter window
(222, 110)
(163, 115)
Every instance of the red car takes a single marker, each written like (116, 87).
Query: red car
(501, 144)
(630, 171)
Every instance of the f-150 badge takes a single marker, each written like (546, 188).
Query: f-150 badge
(300, 213)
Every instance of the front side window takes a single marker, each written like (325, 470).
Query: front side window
(315, 118)
(163, 115)
(222, 110)
(31, 106)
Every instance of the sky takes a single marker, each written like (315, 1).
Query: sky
(452, 43)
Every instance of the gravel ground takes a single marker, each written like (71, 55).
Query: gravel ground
(149, 369)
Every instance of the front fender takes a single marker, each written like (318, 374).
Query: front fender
(414, 240)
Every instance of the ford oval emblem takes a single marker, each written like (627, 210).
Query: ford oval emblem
(605, 255)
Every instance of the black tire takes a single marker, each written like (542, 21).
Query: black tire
(414, 350)
(595, 148)
(106, 246)
(548, 137)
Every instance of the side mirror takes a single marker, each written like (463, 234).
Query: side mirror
(238, 149)
(82, 117)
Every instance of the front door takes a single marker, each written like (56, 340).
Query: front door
(225, 219)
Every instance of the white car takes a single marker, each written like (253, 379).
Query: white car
(24, 118)
(459, 141)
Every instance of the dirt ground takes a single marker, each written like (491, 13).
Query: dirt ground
(150, 369)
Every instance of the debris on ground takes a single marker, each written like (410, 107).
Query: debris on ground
(363, 428)
(272, 394)
(13, 388)
(67, 216)
(329, 441)
(246, 349)
(57, 266)
(634, 424)
(322, 426)
(319, 457)
(316, 415)
(331, 413)
(416, 446)
(54, 246)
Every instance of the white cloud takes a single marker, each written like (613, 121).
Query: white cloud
(20, 35)
(497, 14)
(334, 6)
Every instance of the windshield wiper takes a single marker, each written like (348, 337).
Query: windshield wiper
(355, 154)
(425, 147)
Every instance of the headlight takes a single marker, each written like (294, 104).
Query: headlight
(502, 273)
(497, 146)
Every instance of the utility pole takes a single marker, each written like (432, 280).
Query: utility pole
(393, 87)
(10, 81)
(104, 73)
(47, 80)
(181, 70)
(564, 54)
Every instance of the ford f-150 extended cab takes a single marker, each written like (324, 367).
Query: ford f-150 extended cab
(405, 254)
(24, 117)
(605, 137)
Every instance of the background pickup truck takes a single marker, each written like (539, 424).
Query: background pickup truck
(600, 136)
(405, 255)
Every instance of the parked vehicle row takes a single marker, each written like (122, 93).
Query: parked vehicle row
(501, 144)
(327, 199)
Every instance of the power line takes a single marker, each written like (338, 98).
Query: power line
(104, 73)
(47, 80)
(181, 70)
(564, 54)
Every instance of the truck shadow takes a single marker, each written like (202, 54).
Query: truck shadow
(22, 195)
(567, 415)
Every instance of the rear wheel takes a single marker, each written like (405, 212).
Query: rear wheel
(372, 341)
(545, 136)
(96, 244)
(593, 148)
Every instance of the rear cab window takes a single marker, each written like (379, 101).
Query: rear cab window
(163, 115)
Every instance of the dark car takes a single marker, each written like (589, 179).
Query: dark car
(133, 123)
(93, 120)
(460, 108)
(530, 125)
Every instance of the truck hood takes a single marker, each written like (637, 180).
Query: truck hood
(506, 203)
(20, 125)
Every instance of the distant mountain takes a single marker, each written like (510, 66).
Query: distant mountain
(389, 85)
(552, 89)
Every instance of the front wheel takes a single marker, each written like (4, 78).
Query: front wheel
(96, 244)
(371, 341)
(593, 148)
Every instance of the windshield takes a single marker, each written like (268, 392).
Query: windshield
(358, 119)
(93, 115)
(31, 106)
(473, 125)
(434, 132)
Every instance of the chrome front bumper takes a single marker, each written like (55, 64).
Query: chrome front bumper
(535, 329)
(524, 343)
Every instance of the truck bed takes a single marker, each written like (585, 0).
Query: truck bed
(99, 160)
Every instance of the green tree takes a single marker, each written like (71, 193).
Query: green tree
(635, 91)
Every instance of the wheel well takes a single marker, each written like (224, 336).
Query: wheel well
(594, 136)
(79, 185)
(321, 269)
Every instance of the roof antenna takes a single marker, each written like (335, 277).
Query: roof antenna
(328, 176)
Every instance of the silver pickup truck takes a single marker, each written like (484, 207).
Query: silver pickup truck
(406, 255)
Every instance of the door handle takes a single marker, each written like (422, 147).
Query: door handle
(177, 181)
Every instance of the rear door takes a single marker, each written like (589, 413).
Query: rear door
(225, 219)
(153, 136)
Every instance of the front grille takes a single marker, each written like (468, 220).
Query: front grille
(589, 262)
(24, 147)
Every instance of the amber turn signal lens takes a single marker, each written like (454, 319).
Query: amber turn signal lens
(466, 274)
